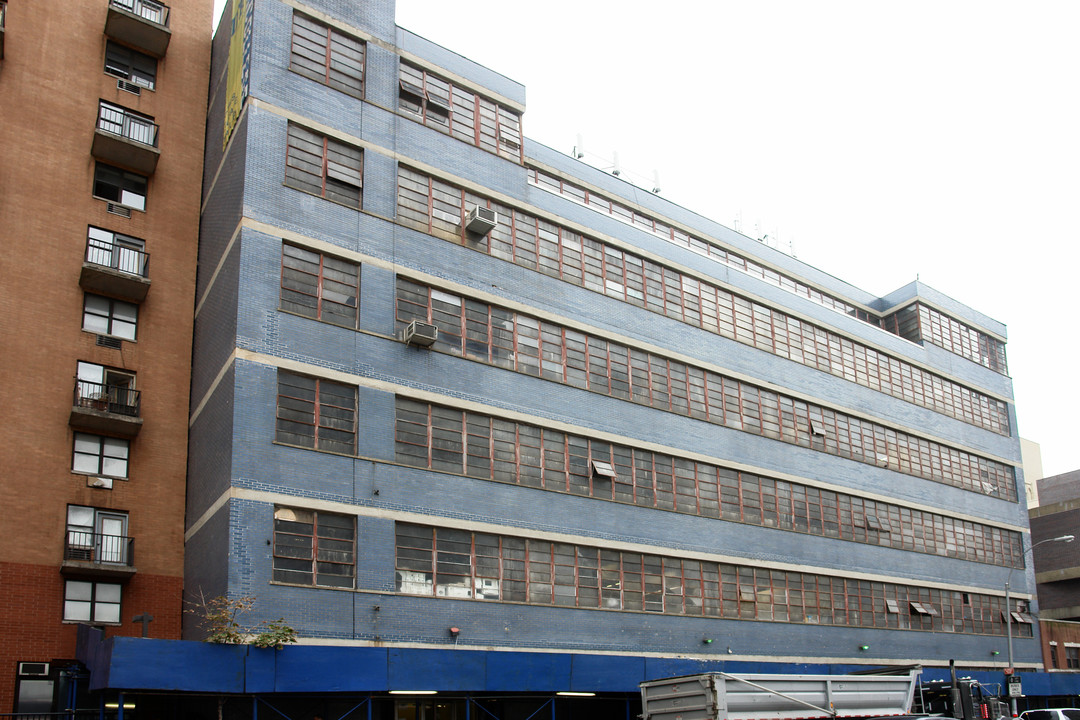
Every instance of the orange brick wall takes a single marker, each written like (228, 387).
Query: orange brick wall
(31, 629)
(51, 79)
(1060, 632)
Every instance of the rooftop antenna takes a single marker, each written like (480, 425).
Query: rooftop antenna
(579, 149)
(615, 170)
(656, 181)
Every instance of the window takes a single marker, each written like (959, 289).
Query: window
(120, 186)
(134, 126)
(109, 317)
(603, 469)
(319, 286)
(451, 440)
(1072, 657)
(316, 413)
(106, 389)
(873, 523)
(104, 247)
(324, 54)
(324, 167)
(603, 474)
(95, 602)
(434, 106)
(148, 9)
(923, 608)
(98, 455)
(457, 111)
(314, 548)
(96, 535)
(1054, 655)
(478, 566)
(35, 683)
(130, 65)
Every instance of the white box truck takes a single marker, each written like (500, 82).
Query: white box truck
(722, 696)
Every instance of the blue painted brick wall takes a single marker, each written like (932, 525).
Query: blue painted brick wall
(210, 447)
(232, 441)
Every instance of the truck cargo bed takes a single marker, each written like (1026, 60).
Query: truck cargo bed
(721, 696)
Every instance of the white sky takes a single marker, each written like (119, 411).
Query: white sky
(878, 141)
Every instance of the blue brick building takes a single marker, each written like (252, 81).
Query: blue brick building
(641, 444)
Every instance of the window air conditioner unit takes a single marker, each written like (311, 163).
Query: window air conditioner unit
(99, 482)
(481, 220)
(128, 87)
(420, 334)
(33, 669)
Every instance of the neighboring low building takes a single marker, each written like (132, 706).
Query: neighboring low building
(1061, 645)
(1057, 565)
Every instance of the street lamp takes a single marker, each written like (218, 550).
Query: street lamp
(1008, 606)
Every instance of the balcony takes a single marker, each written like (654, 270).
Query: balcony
(110, 268)
(126, 138)
(101, 408)
(92, 554)
(143, 24)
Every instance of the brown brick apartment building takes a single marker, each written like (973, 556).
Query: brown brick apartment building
(102, 113)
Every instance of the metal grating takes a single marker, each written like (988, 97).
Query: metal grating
(119, 210)
(109, 342)
(128, 87)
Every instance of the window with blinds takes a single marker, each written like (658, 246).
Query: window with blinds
(319, 286)
(327, 55)
(324, 166)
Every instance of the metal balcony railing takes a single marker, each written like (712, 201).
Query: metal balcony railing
(155, 12)
(115, 399)
(119, 257)
(118, 121)
(85, 546)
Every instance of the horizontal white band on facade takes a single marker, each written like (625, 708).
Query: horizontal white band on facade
(711, 657)
(197, 409)
(217, 268)
(441, 521)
